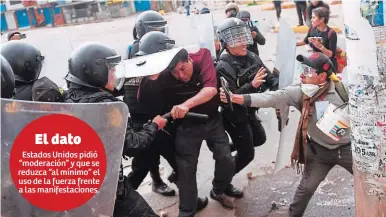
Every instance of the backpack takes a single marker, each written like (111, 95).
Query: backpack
(96, 97)
(134, 46)
(45, 90)
(341, 91)
(340, 55)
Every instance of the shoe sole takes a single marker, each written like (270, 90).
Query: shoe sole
(169, 194)
(223, 205)
(237, 197)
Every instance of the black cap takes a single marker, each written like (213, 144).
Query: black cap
(204, 11)
(318, 61)
(11, 34)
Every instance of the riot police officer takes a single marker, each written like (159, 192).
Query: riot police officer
(91, 79)
(146, 22)
(7, 79)
(258, 38)
(240, 69)
(149, 160)
(231, 9)
(26, 61)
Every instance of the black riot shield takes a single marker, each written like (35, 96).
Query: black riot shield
(109, 120)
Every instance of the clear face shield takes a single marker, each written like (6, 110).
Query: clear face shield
(112, 64)
(40, 59)
(160, 26)
(238, 36)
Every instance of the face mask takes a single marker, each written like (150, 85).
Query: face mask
(310, 89)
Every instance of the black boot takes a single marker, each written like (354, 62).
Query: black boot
(223, 199)
(159, 186)
(202, 202)
(231, 191)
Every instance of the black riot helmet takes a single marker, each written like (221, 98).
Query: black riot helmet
(234, 32)
(25, 59)
(150, 21)
(244, 16)
(154, 42)
(89, 65)
(7, 79)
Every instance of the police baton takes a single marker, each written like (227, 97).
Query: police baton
(168, 115)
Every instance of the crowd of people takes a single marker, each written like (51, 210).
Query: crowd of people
(304, 9)
(228, 90)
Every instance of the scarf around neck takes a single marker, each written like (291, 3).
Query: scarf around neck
(298, 156)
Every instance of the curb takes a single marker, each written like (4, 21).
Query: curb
(285, 5)
(304, 29)
(335, 2)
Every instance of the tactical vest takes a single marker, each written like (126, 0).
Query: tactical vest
(138, 112)
(237, 71)
(239, 74)
(23, 92)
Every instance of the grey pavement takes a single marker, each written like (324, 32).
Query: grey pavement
(333, 198)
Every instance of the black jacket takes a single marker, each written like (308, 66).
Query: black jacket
(135, 142)
(259, 39)
(23, 91)
(239, 73)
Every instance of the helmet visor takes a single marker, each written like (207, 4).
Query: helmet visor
(112, 64)
(157, 26)
(238, 36)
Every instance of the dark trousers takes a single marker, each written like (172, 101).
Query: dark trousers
(301, 8)
(132, 204)
(245, 137)
(148, 160)
(320, 161)
(187, 7)
(277, 5)
(188, 144)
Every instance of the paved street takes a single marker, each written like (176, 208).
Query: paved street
(334, 197)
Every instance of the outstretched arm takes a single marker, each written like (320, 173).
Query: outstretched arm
(290, 96)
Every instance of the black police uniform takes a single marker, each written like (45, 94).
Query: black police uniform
(7, 79)
(245, 130)
(259, 39)
(26, 62)
(140, 114)
(242, 124)
(83, 88)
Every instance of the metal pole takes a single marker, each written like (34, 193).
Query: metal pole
(365, 33)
